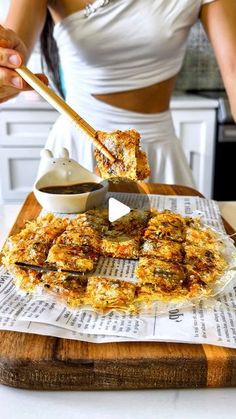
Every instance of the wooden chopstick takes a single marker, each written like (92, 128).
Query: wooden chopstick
(61, 106)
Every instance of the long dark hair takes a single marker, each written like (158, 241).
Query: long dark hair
(49, 52)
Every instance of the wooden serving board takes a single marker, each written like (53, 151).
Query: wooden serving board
(47, 363)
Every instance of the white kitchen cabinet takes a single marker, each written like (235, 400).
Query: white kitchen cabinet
(24, 128)
(195, 125)
(19, 167)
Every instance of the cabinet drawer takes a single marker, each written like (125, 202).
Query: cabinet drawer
(18, 172)
(196, 132)
(25, 127)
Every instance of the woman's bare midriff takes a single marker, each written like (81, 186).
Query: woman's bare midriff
(151, 99)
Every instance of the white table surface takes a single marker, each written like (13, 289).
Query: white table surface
(140, 404)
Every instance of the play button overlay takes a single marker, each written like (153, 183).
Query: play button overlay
(116, 209)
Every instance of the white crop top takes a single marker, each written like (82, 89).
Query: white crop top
(125, 45)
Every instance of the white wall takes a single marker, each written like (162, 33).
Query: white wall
(34, 62)
(4, 4)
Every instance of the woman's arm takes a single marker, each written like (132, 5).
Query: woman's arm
(219, 21)
(21, 29)
(26, 18)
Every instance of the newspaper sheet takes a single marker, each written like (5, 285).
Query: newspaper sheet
(211, 322)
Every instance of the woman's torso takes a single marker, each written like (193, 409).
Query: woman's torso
(147, 26)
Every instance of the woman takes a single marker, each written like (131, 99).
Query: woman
(119, 60)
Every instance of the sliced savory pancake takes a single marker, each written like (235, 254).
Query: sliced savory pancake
(118, 245)
(32, 252)
(85, 238)
(166, 226)
(204, 258)
(106, 294)
(71, 258)
(130, 162)
(163, 249)
(65, 287)
(133, 223)
(167, 275)
(178, 258)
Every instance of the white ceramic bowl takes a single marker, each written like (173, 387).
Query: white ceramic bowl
(66, 203)
(64, 172)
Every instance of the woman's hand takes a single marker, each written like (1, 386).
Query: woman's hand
(13, 54)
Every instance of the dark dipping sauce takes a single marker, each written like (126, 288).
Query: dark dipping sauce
(77, 188)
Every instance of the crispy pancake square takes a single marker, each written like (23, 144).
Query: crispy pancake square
(196, 279)
(163, 249)
(166, 226)
(133, 223)
(71, 258)
(107, 294)
(118, 245)
(204, 258)
(148, 293)
(165, 275)
(201, 236)
(96, 220)
(124, 146)
(32, 252)
(84, 237)
(44, 229)
(25, 279)
(65, 287)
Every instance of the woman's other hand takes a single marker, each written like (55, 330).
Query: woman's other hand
(13, 54)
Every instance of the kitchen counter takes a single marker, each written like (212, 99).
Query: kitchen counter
(141, 404)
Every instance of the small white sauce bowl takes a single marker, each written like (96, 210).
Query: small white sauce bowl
(63, 172)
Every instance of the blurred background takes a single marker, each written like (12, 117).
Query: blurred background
(200, 110)
(199, 72)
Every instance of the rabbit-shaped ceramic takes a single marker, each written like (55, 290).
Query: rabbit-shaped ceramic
(63, 171)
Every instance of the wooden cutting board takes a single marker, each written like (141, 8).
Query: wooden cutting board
(48, 363)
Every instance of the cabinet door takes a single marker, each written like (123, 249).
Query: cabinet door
(18, 172)
(25, 128)
(196, 131)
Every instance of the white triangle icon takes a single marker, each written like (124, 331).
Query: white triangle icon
(116, 209)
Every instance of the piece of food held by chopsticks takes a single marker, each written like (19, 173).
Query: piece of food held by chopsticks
(130, 161)
(118, 153)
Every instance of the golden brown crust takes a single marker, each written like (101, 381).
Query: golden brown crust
(71, 258)
(69, 289)
(107, 294)
(26, 280)
(33, 242)
(165, 226)
(200, 236)
(166, 275)
(178, 258)
(203, 257)
(133, 223)
(163, 249)
(130, 162)
(143, 169)
(118, 245)
(85, 238)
